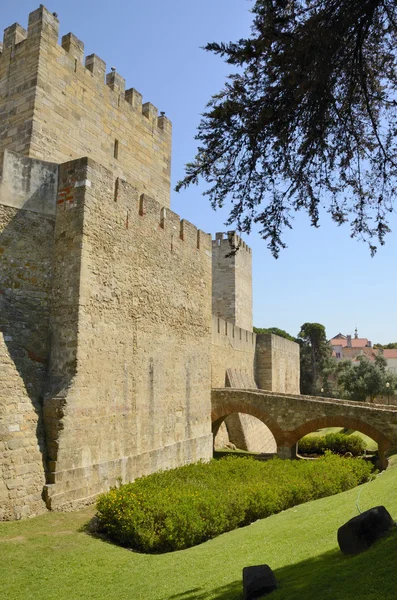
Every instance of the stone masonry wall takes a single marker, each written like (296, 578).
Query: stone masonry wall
(28, 183)
(277, 366)
(26, 247)
(130, 367)
(232, 281)
(54, 108)
(18, 77)
(250, 434)
(233, 350)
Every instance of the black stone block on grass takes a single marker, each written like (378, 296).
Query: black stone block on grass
(362, 531)
(258, 581)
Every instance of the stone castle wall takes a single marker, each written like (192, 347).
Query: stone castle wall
(249, 433)
(106, 354)
(277, 364)
(26, 248)
(233, 365)
(232, 280)
(129, 376)
(232, 348)
(54, 108)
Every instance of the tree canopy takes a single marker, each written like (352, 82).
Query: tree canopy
(276, 331)
(315, 355)
(367, 379)
(307, 120)
(390, 346)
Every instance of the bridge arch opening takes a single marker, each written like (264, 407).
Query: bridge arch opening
(243, 431)
(270, 429)
(341, 423)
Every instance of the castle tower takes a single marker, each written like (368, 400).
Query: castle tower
(54, 106)
(105, 293)
(232, 280)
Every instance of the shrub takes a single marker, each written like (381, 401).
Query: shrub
(339, 443)
(183, 507)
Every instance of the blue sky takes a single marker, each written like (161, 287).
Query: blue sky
(323, 276)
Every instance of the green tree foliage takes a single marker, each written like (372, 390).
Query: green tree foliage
(308, 119)
(315, 358)
(365, 379)
(280, 332)
(390, 346)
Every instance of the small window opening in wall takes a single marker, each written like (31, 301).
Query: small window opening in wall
(75, 65)
(116, 189)
(116, 148)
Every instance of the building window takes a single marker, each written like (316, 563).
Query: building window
(116, 148)
(338, 355)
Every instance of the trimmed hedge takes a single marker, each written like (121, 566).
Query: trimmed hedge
(339, 443)
(176, 509)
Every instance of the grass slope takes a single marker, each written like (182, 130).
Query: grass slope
(51, 558)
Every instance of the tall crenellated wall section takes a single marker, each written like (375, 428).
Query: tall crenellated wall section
(233, 349)
(129, 372)
(105, 329)
(232, 280)
(106, 354)
(55, 108)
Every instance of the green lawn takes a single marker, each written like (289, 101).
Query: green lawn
(51, 558)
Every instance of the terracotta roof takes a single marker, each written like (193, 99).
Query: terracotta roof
(356, 342)
(353, 352)
(390, 353)
(338, 341)
(370, 353)
(359, 342)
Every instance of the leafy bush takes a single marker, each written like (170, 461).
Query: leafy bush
(339, 443)
(183, 507)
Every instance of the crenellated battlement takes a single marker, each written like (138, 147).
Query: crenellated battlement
(59, 104)
(162, 218)
(230, 241)
(232, 279)
(85, 176)
(43, 23)
(229, 335)
(110, 375)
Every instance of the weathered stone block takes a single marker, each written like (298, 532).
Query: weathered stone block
(74, 46)
(258, 581)
(362, 531)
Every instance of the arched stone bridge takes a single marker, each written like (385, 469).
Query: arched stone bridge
(291, 417)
